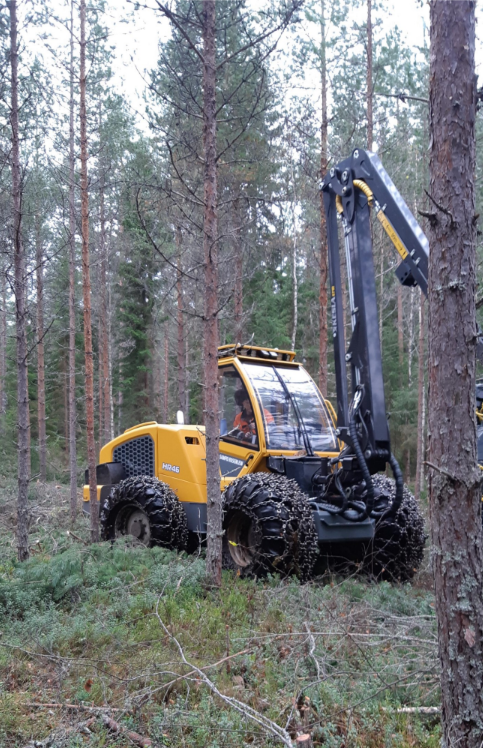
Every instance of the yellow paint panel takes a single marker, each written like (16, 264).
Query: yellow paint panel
(85, 493)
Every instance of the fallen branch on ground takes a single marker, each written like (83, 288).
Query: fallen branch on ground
(72, 706)
(239, 706)
(135, 737)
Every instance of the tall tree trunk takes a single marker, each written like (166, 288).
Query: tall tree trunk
(295, 284)
(400, 335)
(166, 375)
(39, 261)
(157, 379)
(72, 265)
(454, 478)
(420, 442)
(180, 324)
(23, 415)
(3, 348)
(187, 377)
(411, 337)
(381, 289)
(369, 93)
(238, 272)
(86, 286)
(323, 228)
(104, 342)
(210, 247)
(100, 405)
(410, 370)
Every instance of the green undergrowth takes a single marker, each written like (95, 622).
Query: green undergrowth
(95, 626)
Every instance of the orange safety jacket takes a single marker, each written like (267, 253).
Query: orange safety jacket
(241, 421)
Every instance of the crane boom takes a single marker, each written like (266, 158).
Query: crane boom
(351, 190)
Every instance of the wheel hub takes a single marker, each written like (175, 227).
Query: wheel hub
(133, 521)
(242, 539)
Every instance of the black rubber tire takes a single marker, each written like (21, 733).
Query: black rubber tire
(168, 526)
(397, 550)
(276, 515)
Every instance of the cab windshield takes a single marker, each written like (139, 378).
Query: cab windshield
(289, 402)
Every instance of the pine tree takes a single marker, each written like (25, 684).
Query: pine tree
(455, 482)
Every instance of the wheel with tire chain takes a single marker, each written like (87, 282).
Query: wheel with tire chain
(397, 550)
(269, 527)
(147, 509)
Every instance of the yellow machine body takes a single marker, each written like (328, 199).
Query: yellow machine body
(179, 450)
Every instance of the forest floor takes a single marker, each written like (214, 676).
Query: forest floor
(124, 645)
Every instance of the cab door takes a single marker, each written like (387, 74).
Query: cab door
(239, 438)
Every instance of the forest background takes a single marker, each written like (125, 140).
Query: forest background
(145, 211)
(107, 177)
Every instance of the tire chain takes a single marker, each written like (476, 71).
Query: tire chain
(167, 518)
(397, 550)
(288, 540)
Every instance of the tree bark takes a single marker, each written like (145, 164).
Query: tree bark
(104, 342)
(295, 284)
(166, 376)
(187, 376)
(421, 404)
(410, 337)
(23, 416)
(454, 479)
(210, 247)
(400, 336)
(238, 273)
(72, 266)
(323, 228)
(86, 287)
(3, 348)
(369, 93)
(39, 267)
(180, 324)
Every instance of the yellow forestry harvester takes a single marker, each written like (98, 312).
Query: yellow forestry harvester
(298, 480)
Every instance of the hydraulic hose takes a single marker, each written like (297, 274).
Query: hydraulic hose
(398, 477)
(369, 499)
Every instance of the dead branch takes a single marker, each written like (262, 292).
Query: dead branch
(312, 651)
(239, 706)
(83, 707)
(137, 739)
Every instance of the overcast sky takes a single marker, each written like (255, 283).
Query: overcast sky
(137, 43)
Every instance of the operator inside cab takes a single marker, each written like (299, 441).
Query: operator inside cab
(245, 419)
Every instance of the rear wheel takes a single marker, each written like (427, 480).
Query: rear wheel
(268, 526)
(146, 509)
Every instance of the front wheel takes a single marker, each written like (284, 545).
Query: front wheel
(268, 526)
(397, 549)
(146, 509)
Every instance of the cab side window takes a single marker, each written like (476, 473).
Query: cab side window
(237, 418)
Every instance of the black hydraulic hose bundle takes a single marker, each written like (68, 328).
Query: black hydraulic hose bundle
(370, 507)
(354, 408)
(399, 480)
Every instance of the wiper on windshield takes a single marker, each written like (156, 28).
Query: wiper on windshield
(308, 446)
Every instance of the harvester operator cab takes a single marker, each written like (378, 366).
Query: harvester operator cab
(271, 406)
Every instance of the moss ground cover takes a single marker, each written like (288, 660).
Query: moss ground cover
(82, 626)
